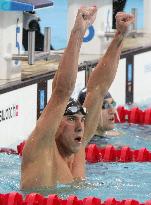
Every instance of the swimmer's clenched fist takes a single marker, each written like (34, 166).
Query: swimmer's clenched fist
(85, 18)
(123, 20)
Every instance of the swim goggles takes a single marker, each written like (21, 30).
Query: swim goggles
(107, 105)
(73, 108)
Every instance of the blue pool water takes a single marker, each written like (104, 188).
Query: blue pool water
(103, 180)
(134, 136)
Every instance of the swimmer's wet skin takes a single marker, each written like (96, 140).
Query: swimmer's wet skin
(55, 151)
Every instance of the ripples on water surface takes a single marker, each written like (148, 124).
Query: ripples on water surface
(135, 136)
(104, 180)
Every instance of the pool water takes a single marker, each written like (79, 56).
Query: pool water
(103, 180)
(132, 135)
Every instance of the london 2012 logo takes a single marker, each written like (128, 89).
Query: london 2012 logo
(5, 5)
(9, 112)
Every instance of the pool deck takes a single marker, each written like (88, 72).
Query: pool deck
(44, 68)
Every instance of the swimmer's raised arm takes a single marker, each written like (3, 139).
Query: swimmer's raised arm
(49, 121)
(104, 73)
(85, 18)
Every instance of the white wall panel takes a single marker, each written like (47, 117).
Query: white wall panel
(118, 87)
(142, 77)
(18, 112)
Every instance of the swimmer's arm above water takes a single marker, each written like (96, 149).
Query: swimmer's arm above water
(87, 17)
(49, 121)
(101, 78)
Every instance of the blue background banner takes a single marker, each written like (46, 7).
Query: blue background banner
(23, 5)
(5, 5)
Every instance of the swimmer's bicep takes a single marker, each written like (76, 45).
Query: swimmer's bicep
(90, 128)
(92, 118)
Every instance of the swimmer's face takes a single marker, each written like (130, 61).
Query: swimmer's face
(107, 119)
(71, 132)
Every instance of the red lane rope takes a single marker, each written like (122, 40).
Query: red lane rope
(8, 151)
(20, 148)
(15, 198)
(109, 153)
(134, 115)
